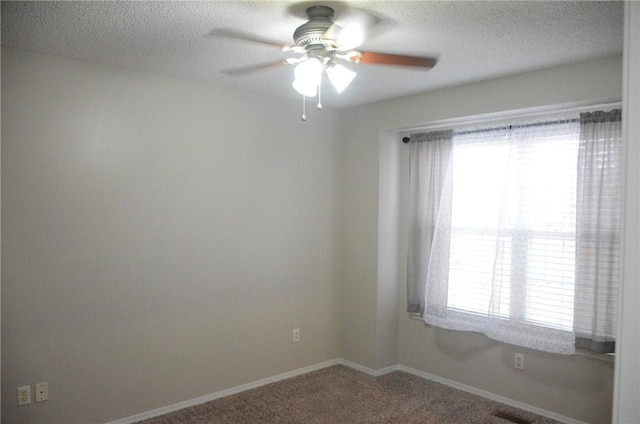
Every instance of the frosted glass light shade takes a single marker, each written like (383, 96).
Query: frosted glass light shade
(308, 74)
(306, 88)
(310, 69)
(340, 77)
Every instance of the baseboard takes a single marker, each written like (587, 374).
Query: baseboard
(376, 373)
(367, 370)
(491, 396)
(223, 393)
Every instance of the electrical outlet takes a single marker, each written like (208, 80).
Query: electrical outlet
(518, 361)
(24, 395)
(42, 392)
(296, 335)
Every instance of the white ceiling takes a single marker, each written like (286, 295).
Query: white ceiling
(473, 40)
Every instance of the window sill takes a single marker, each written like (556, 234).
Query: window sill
(605, 357)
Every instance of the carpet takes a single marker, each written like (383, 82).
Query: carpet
(342, 395)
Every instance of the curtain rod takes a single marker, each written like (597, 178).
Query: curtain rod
(406, 140)
(550, 112)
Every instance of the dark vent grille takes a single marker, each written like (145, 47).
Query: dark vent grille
(511, 417)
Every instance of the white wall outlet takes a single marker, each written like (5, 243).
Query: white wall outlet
(296, 335)
(24, 395)
(42, 392)
(518, 361)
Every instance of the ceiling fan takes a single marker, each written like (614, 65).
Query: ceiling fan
(324, 47)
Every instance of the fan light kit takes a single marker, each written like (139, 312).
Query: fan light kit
(326, 47)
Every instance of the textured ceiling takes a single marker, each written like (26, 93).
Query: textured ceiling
(472, 40)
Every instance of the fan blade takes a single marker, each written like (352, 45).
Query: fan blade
(351, 28)
(391, 59)
(241, 36)
(253, 68)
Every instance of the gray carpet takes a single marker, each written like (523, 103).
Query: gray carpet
(341, 395)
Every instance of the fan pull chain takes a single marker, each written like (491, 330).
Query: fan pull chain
(304, 108)
(319, 95)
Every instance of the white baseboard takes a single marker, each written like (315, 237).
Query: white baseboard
(376, 373)
(223, 393)
(367, 370)
(491, 396)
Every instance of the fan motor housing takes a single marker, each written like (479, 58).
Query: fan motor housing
(313, 31)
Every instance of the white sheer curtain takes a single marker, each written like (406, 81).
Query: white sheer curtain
(508, 241)
(503, 257)
(429, 153)
(598, 230)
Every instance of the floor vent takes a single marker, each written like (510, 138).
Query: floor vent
(510, 417)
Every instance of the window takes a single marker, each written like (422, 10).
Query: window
(532, 183)
(514, 244)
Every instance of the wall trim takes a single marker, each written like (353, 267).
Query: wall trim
(491, 396)
(626, 386)
(370, 371)
(367, 370)
(223, 393)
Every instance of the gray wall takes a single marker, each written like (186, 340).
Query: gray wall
(161, 238)
(375, 196)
